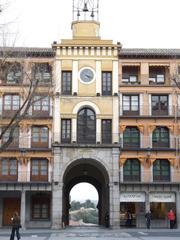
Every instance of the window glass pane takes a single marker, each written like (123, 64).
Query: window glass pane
(13, 167)
(35, 167)
(4, 167)
(44, 134)
(43, 170)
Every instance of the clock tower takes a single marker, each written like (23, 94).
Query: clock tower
(86, 115)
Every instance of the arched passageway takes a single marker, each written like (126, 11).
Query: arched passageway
(90, 171)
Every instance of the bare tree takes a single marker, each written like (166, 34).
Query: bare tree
(31, 88)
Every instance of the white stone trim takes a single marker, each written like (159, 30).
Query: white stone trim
(98, 130)
(104, 51)
(64, 51)
(115, 121)
(115, 77)
(98, 51)
(109, 51)
(86, 104)
(141, 104)
(49, 172)
(121, 104)
(28, 170)
(50, 138)
(170, 104)
(80, 51)
(75, 77)
(75, 52)
(74, 130)
(69, 51)
(150, 110)
(86, 51)
(57, 120)
(58, 76)
(98, 77)
(92, 51)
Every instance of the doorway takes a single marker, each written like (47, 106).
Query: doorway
(86, 171)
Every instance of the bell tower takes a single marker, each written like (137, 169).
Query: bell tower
(85, 23)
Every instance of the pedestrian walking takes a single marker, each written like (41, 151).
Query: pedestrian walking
(129, 219)
(148, 217)
(106, 219)
(171, 217)
(63, 221)
(16, 224)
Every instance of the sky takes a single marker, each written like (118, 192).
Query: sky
(134, 23)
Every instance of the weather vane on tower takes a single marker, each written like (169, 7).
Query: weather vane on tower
(86, 10)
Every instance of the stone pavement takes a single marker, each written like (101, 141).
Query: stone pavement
(86, 233)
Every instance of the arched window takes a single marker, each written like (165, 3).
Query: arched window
(131, 137)
(86, 126)
(160, 137)
(161, 170)
(132, 170)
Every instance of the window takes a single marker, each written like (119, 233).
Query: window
(15, 137)
(66, 82)
(107, 83)
(40, 207)
(13, 73)
(106, 131)
(160, 137)
(40, 136)
(161, 170)
(131, 137)
(11, 102)
(132, 170)
(159, 105)
(156, 75)
(42, 72)
(8, 169)
(39, 170)
(130, 74)
(86, 126)
(130, 105)
(41, 105)
(66, 130)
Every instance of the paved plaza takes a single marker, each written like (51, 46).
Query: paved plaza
(85, 233)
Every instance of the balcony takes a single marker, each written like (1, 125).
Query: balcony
(148, 111)
(144, 143)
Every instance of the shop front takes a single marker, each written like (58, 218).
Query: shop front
(132, 203)
(160, 204)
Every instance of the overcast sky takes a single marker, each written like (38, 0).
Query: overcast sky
(135, 23)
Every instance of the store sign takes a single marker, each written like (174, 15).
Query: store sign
(132, 197)
(162, 197)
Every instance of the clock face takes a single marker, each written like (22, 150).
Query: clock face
(86, 75)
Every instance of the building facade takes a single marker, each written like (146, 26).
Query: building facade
(99, 114)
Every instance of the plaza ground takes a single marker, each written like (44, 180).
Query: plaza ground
(91, 233)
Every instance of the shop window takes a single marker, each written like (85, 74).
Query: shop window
(156, 75)
(132, 170)
(39, 169)
(161, 170)
(159, 105)
(130, 74)
(106, 83)
(66, 130)
(8, 169)
(41, 106)
(160, 137)
(86, 126)
(130, 105)
(42, 72)
(40, 208)
(131, 137)
(106, 131)
(40, 136)
(66, 86)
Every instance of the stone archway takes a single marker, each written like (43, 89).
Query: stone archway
(90, 171)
